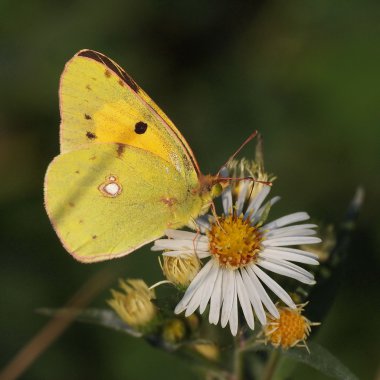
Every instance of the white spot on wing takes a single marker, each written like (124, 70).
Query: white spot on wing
(111, 187)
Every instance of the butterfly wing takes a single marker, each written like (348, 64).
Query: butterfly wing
(106, 200)
(101, 103)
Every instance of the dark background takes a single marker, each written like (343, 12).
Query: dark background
(305, 73)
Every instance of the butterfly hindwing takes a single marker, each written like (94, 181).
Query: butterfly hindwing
(106, 200)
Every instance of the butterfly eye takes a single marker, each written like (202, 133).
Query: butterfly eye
(216, 190)
(141, 127)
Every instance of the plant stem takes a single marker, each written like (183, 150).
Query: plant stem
(271, 365)
(238, 364)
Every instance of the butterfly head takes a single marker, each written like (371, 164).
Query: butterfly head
(211, 186)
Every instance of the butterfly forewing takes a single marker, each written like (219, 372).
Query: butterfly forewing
(101, 103)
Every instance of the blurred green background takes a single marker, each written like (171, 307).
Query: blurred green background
(304, 73)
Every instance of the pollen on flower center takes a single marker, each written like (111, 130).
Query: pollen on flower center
(234, 241)
(290, 329)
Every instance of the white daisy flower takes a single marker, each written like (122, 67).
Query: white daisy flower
(241, 247)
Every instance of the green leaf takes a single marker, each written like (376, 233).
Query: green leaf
(319, 358)
(102, 317)
(322, 360)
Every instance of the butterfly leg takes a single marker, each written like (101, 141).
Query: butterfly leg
(215, 215)
(197, 234)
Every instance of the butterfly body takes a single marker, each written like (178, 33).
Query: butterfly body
(125, 173)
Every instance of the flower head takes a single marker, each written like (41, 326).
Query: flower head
(240, 244)
(181, 269)
(289, 329)
(133, 304)
(174, 330)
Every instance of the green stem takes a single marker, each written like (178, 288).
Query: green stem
(238, 361)
(271, 365)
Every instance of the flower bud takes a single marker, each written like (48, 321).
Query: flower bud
(133, 304)
(180, 270)
(174, 331)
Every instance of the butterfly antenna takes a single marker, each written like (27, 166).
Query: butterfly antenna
(250, 137)
(268, 183)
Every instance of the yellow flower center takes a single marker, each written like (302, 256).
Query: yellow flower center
(234, 241)
(290, 329)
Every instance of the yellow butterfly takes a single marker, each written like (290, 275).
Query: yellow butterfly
(125, 173)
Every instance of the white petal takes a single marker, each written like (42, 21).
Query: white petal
(296, 251)
(285, 220)
(254, 296)
(244, 301)
(178, 253)
(288, 269)
(197, 281)
(274, 287)
(257, 202)
(196, 299)
(173, 244)
(155, 248)
(264, 297)
(176, 244)
(297, 230)
(209, 288)
(260, 211)
(275, 253)
(290, 240)
(228, 282)
(242, 195)
(234, 319)
(216, 299)
(226, 195)
(203, 289)
(201, 255)
(203, 223)
(271, 201)
(186, 235)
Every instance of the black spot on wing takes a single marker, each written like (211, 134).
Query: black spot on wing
(112, 66)
(91, 136)
(87, 117)
(120, 149)
(141, 127)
